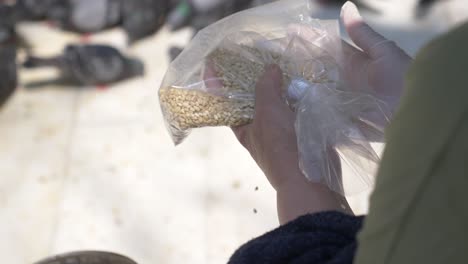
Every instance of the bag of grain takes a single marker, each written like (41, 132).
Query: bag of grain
(212, 82)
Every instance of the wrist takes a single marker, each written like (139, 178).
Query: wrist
(285, 174)
(295, 198)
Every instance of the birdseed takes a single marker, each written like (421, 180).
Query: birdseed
(232, 105)
(188, 108)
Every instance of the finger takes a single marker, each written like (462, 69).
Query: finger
(268, 90)
(213, 83)
(371, 42)
(267, 97)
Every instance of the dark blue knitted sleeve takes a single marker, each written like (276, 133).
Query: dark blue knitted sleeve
(322, 238)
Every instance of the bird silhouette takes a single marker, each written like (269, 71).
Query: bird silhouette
(90, 65)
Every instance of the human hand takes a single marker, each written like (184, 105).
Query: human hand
(271, 138)
(272, 143)
(379, 67)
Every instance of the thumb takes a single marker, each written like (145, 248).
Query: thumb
(371, 42)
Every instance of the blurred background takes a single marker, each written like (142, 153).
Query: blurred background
(85, 159)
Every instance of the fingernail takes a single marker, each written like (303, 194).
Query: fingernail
(350, 11)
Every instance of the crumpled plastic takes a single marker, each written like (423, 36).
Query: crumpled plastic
(334, 133)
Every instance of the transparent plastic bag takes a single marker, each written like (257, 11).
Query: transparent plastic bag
(212, 83)
(252, 39)
(331, 123)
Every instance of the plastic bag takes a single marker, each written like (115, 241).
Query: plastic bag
(212, 82)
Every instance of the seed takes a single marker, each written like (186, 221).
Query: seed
(220, 108)
(188, 108)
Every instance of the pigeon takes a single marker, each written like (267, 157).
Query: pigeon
(90, 65)
(174, 51)
(198, 14)
(201, 13)
(87, 257)
(81, 16)
(7, 22)
(32, 10)
(424, 7)
(141, 18)
(9, 80)
(85, 16)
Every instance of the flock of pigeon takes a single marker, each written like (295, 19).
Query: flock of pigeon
(78, 64)
(91, 64)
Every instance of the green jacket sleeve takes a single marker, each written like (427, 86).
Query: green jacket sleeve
(419, 209)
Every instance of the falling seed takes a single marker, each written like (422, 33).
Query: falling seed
(236, 185)
(256, 188)
(255, 211)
